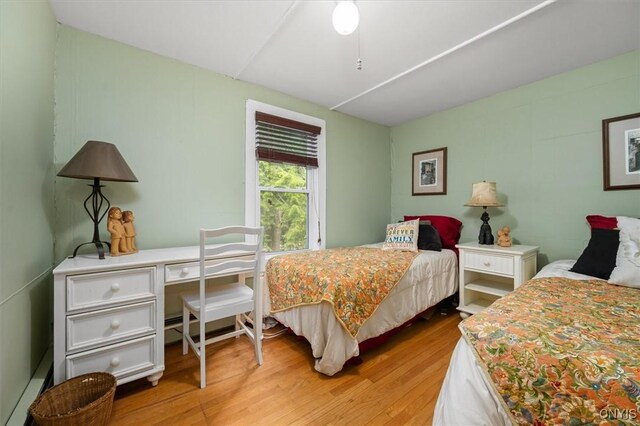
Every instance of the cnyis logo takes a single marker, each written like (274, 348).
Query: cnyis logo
(619, 414)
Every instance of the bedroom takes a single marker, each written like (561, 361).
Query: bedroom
(182, 130)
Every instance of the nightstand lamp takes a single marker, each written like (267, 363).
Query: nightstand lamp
(484, 195)
(97, 160)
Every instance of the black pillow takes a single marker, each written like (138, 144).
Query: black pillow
(428, 237)
(599, 257)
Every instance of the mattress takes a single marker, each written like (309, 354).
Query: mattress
(432, 277)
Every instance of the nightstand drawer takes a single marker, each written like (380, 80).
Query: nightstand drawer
(489, 262)
(106, 326)
(121, 360)
(108, 288)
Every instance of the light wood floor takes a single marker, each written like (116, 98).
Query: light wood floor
(398, 383)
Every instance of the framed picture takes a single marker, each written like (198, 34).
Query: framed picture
(429, 172)
(621, 152)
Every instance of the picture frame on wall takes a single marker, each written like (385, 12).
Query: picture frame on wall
(429, 172)
(621, 152)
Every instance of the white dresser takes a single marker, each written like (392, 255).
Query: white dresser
(489, 272)
(109, 314)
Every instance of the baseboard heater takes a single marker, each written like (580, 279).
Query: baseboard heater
(41, 380)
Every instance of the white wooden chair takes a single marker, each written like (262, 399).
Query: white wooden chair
(226, 300)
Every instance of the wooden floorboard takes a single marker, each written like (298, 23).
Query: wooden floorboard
(397, 383)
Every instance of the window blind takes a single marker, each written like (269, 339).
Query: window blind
(281, 140)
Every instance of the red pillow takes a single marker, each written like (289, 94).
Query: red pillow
(448, 228)
(602, 222)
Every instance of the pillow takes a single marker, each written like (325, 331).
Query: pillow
(599, 257)
(428, 237)
(402, 236)
(602, 222)
(448, 228)
(627, 270)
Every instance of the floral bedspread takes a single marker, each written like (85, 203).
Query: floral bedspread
(561, 351)
(354, 280)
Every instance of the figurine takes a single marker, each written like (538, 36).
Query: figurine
(129, 231)
(116, 229)
(504, 240)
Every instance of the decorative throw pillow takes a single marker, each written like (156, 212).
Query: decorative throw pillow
(599, 257)
(602, 222)
(627, 270)
(402, 236)
(428, 237)
(448, 228)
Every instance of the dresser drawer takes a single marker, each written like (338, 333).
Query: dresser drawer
(108, 288)
(191, 270)
(121, 360)
(494, 263)
(106, 326)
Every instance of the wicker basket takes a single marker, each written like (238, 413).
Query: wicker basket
(83, 400)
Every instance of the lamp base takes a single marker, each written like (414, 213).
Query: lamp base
(97, 200)
(99, 245)
(485, 237)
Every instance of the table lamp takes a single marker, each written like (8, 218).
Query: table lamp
(484, 195)
(97, 160)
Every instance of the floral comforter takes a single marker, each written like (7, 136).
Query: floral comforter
(562, 351)
(354, 280)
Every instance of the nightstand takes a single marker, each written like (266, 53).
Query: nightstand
(488, 272)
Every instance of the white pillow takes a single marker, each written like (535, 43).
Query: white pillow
(402, 236)
(627, 270)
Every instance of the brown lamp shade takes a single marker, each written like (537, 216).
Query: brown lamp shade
(98, 160)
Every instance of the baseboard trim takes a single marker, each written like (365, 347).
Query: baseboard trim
(41, 380)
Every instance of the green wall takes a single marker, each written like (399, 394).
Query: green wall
(182, 131)
(27, 46)
(541, 143)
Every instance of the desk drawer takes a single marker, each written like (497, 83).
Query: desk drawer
(108, 288)
(191, 271)
(106, 326)
(121, 360)
(489, 262)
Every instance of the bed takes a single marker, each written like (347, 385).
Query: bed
(430, 277)
(584, 368)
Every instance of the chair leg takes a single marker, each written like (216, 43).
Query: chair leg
(237, 324)
(203, 356)
(257, 334)
(185, 330)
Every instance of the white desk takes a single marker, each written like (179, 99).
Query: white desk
(109, 314)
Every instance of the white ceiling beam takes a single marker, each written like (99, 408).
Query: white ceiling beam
(261, 47)
(449, 51)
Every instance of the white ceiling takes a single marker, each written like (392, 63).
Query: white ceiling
(290, 46)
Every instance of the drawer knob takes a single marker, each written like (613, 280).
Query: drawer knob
(115, 324)
(115, 361)
(115, 287)
(487, 263)
(184, 271)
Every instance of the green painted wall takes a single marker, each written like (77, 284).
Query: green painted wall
(182, 131)
(541, 143)
(27, 46)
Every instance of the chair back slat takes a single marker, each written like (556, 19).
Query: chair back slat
(231, 267)
(212, 233)
(241, 248)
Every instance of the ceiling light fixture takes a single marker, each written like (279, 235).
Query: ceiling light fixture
(345, 17)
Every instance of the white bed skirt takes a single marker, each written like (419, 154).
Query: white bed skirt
(466, 398)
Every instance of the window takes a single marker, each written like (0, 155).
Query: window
(285, 177)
